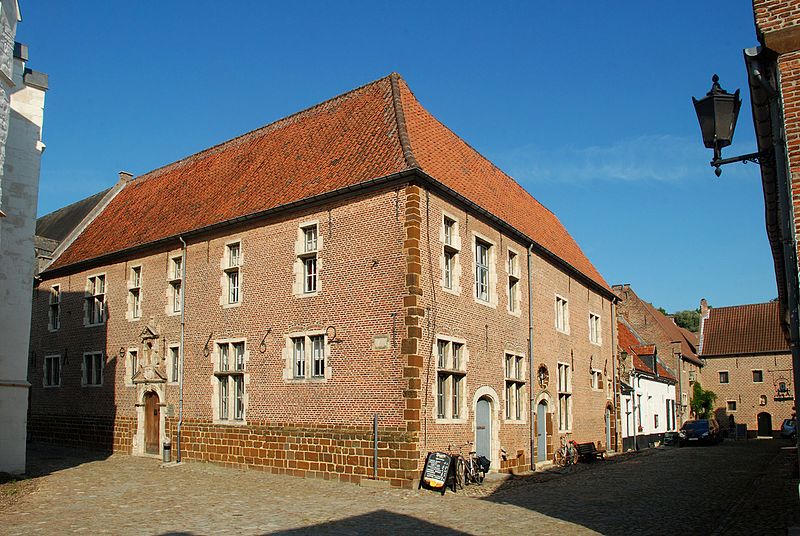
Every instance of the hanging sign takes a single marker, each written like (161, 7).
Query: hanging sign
(436, 472)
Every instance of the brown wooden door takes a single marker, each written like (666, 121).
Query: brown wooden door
(152, 423)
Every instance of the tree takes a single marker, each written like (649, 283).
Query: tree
(702, 403)
(689, 319)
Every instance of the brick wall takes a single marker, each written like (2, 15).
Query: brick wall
(774, 15)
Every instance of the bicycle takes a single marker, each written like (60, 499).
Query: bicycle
(473, 471)
(467, 469)
(567, 453)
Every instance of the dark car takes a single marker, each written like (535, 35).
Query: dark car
(789, 428)
(705, 431)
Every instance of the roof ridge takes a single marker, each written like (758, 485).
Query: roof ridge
(741, 305)
(252, 133)
(400, 117)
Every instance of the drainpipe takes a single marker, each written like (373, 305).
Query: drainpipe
(633, 407)
(680, 387)
(183, 332)
(530, 354)
(614, 403)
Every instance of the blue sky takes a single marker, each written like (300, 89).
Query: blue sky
(586, 104)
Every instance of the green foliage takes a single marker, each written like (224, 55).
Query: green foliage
(689, 319)
(702, 402)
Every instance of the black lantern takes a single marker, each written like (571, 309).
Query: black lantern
(717, 113)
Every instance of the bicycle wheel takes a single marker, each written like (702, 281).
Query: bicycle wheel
(559, 459)
(460, 472)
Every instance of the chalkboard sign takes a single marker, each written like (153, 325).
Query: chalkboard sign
(437, 471)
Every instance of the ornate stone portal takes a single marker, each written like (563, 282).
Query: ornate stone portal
(150, 379)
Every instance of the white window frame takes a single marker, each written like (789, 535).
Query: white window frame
(174, 362)
(308, 264)
(514, 371)
(595, 329)
(514, 294)
(561, 308)
(232, 261)
(230, 381)
(175, 287)
(727, 377)
(314, 357)
(135, 293)
(483, 280)
(96, 301)
(597, 379)
(48, 374)
(564, 388)
(87, 374)
(131, 365)
(728, 406)
(450, 385)
(54, 308)
(450, 260)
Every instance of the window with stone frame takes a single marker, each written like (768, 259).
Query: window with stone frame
(597, 379)
(229, 371)
(135, 293)
(54, 311)
(52, 371)
(595, 336)
(96, 299)
(758, 376)
(562, 314)
(451, 246)
(724, 377)
(515, 386)
(482, 270)
(233, 273)
(132, 365)
(174, 362)
(92, 369)
(513, 282)
(308, 357)
(308, 258)
(175, 283)
(450, 379)
(731, 405)
(564, 383)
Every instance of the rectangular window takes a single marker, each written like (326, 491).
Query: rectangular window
(96, 299)
(133, 358)
(93, 368)
(482, 270)
(238, 396)
(731, 405)
(515, 384)
(224, 360)
(723, 376)
(238, 353)
(456, 392)
(310, 239)
(441, 351)
(299, 359)
(597, 380)
(309, 258)
(54, 313)
(318, 356)
(310, 274)
(175, 362)
(233, 254)
(449, 379)
(562, 315)
(564, 397)
(513, 282)
(52, 371)
(594, 328)
(449, 232)
(655, 421)
(223, 397)
(135, 292)
(758, 376)
(448, 269)
(176, 279)
(450, 251)
(229, 371)
(440, 406)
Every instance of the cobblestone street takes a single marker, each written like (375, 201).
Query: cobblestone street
(734, 488)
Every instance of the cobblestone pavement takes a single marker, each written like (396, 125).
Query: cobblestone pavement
(734, 488)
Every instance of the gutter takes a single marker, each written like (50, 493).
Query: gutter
(532, 408)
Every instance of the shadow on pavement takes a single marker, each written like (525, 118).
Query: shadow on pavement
(377, 522)
(45, 458)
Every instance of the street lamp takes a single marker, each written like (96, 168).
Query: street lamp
(717, 113)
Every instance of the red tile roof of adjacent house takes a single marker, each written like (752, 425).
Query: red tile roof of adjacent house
(744, 329)
(664, 373)
(368, 133)
(641, 366)
(675, 333)
(645, 349)
(627, 340)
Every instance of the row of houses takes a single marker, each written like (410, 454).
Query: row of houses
(355, 267)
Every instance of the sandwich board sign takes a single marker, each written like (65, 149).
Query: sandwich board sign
(438, 472)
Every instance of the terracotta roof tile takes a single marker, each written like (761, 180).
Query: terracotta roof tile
(645, 349)
(641, 366)
(744, 329)
(365, 134)
(626, 339)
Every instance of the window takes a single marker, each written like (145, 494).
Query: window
(450, 250)
(684, 399)
(309, 258)
(135, 293)
(93, 368)
(52, 371)
(450, 383)
(54, 313)
(731, 405)
(174, 363)
(232, 269)
(597, 380)
(133, 363)
(482, 270)
(758, 376)
(762, 400)
(515, 385)
(655, 420)
(562, 315)
(96, 299)
(564, 397)
(229, 371)
(513, 282)
(594, 329)
(309, 357)
(723, 376)
(175, 283)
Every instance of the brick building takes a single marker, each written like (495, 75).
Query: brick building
(748, 365)
(677, 347)
(260, 301)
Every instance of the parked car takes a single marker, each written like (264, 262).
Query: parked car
(704, 431)
(789, 428)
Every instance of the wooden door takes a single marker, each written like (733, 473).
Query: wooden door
(152, 423)
(764, 424)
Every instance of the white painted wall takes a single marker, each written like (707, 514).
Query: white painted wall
(653, 396)
(20, 140)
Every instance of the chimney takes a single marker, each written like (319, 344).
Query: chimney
(126, 176)
(703, 307)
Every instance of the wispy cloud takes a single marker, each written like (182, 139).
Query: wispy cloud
(645, 158)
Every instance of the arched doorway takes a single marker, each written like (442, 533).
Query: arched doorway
(541, 431)
(152, 423)
(764, 424)
(483, 428)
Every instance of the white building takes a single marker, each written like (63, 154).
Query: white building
(21, 117)
(647, 399)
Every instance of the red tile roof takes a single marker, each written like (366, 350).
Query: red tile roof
(664, 373)
(645, 349)
(641, 366)
(675, 333)
(627, 340)
(744, 329)
(370, 132)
